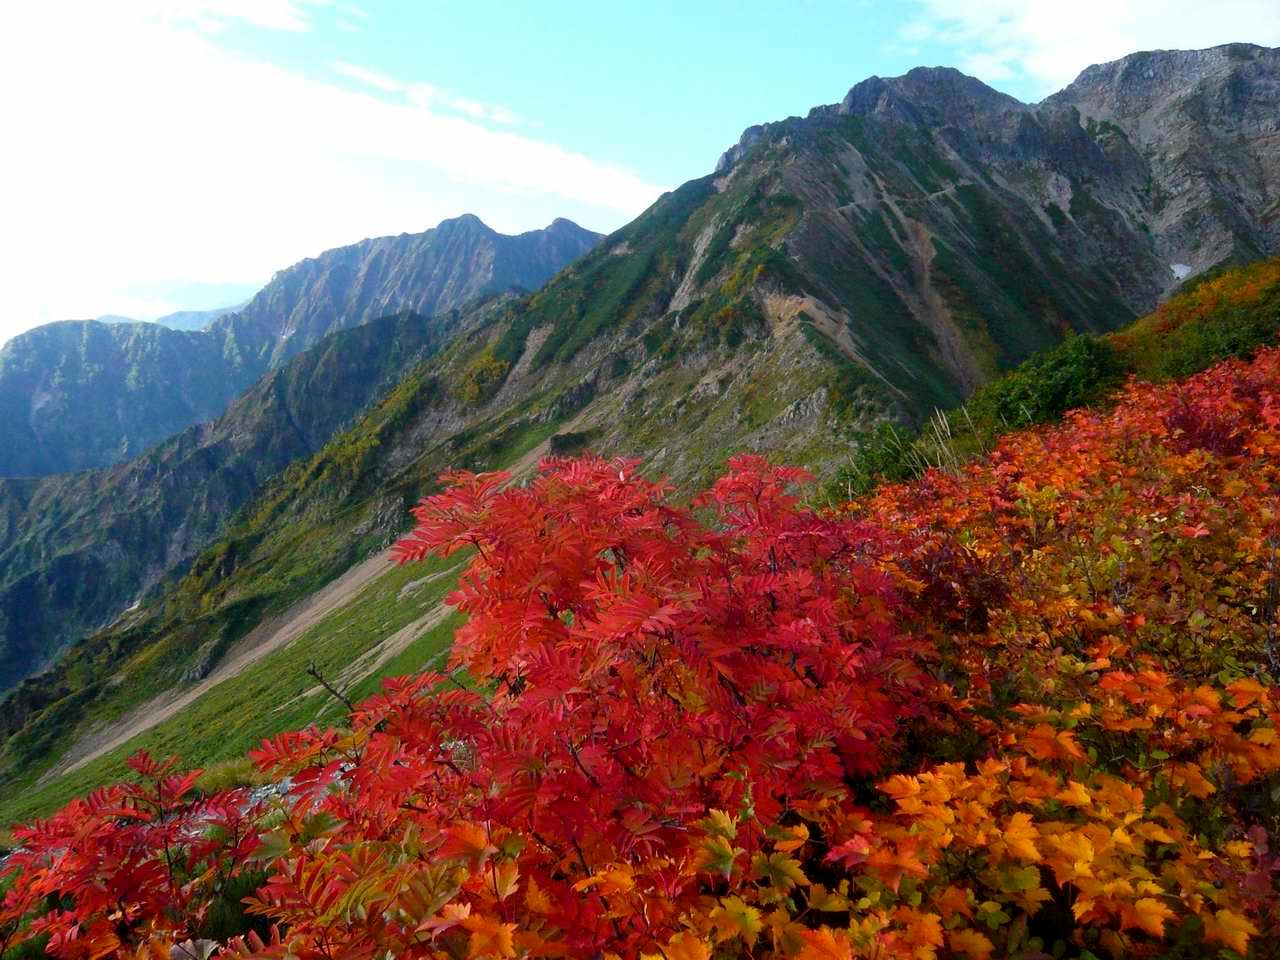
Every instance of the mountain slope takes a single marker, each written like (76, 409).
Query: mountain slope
(82, 394)
(878, 258)
(76, 549)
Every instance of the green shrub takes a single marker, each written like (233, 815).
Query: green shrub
(1078, 372)
(482, 377)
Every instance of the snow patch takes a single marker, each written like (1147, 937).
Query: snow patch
(1180, 270)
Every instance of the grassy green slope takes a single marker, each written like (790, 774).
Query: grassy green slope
(276, 693)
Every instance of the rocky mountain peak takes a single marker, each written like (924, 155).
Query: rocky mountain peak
(1140, 81)
(467, 222)
(566, 227)
(928, 95)
(85, 394)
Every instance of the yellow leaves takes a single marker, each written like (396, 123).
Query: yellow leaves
(971, 943)
(1075, 795)
(1231, 928)
(1238, 848)
(1074, 856)
(1020, 835)
(736, 918)
(905, 791)
(717, 823)
(824, 900)
(1263, 735)
(1154, 832)
(783, 873)
(791, 839)
(489, 938)
(503, 879)
(1148, 914)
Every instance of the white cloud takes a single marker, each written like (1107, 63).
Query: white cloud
(1049, 42)
(211, 14)
(426, 96)
(372, 78)
(142, 154)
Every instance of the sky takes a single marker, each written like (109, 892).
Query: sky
(162, 155)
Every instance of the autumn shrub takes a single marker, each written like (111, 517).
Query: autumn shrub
(1229, 313)
(482, 377)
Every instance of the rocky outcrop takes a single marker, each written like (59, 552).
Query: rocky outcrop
(426, 273)
(1204, 126)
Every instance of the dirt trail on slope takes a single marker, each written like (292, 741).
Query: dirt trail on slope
(265, 638)
(269, 636)
(524, 467)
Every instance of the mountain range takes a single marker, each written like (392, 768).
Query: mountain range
(876, 259)
(81, 394)
(179, 320)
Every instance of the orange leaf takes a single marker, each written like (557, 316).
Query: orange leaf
(685, 946)
(824, 944)
(467, 841)
(1020, 836)
(536, 898)
(971, 943)
(1231, 928)
(489, 938)
(1075, 795)
(1150, 914)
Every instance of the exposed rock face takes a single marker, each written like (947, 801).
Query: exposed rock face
(81, 394)
(426, 273)
(1150, 168)
(1205, 128)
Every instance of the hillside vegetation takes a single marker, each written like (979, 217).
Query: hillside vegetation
(1229, 312)
(1025, 708)
(77, 550)
(324, 515)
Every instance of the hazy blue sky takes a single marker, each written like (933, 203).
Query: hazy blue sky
(170, 154)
